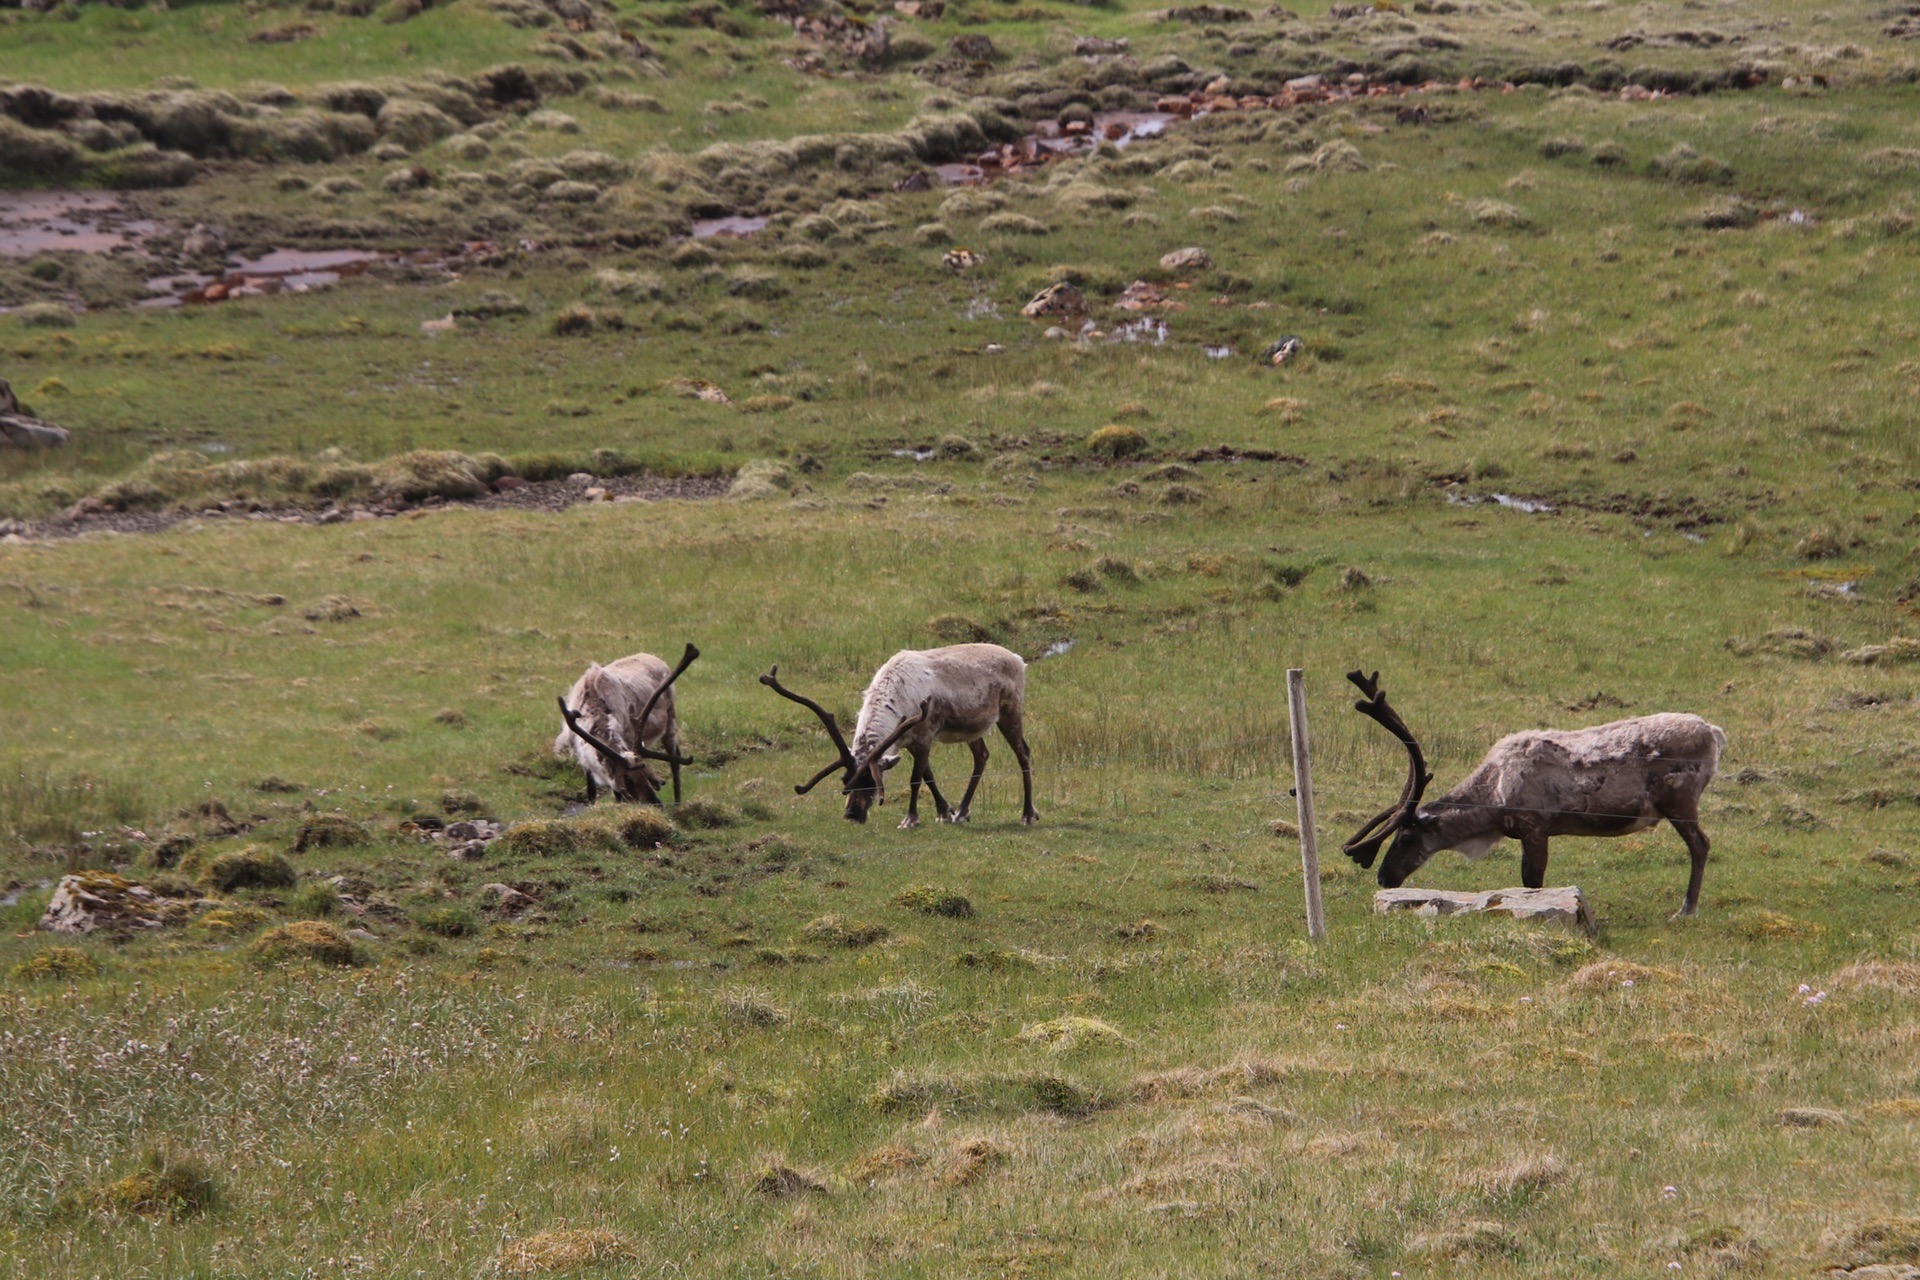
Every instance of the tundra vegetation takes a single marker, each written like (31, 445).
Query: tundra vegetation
(1605, 406)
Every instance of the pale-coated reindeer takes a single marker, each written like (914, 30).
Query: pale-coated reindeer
(1609, 780)
(919, 697)
(612, 713)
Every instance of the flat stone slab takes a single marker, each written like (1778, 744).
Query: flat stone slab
(1566, 906)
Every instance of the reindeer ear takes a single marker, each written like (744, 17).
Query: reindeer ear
(889, 761)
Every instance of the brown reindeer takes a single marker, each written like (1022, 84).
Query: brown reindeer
(1610, 780)
(611, 713)
(919, 697)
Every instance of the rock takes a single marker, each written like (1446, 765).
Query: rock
(1301, 84)
(1282, 349)
(597, 493)
(973, 48)
(1190, 259)
(506, 898)
(1055, 333)
(580, 479)
(1566, 906)
(1141, 296)
(468, 851)
(87, 901)
(21, 430)
(1094, 46)
(1878, 1271)
(474, 829)
(1056, 300)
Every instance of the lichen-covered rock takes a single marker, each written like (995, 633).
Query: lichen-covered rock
(87, 901)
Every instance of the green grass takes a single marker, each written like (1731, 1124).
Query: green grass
(765, 1041)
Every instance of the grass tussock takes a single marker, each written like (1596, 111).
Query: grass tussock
(646, 828)
(553, 837)
(248, 868)
(1616, 974)
(304, 940)
(166, 1185)
(837, 931)
(548, 1253)
(931, 900)
(1872, 1242)
(329, 831)
(1071, 1033)
(57, 964)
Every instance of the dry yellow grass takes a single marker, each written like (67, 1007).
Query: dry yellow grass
(562, 1249)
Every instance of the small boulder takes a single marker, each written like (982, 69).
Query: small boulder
(1190, 259)
(506, 898)
(88, 901)
(1061, 299)
(21, 430)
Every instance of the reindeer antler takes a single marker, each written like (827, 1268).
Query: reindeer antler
(641, 749)
(899, 732)
(572, 718)
(1364, 845)
(772, 681)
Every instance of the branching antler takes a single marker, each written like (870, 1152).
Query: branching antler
(648, 795)
(640, 749)
(899, 732)
(1364, 845)
(846, 762)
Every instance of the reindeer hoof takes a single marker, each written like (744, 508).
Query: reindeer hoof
(1029, 818)
(909, 822)
(1684, 913)
(954, 816)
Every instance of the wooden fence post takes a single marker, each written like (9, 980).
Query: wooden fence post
(1303, 795)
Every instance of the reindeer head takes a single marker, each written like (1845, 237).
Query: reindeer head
(1401, 821)
(627, 774)
(863, 777)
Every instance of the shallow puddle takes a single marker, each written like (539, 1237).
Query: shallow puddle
(740, 227)
(35, 222)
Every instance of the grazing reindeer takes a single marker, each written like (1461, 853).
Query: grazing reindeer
(612, 712)
(1610, 780)
(917, 698)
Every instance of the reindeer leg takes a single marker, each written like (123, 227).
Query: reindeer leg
(979, 748)
(1010, 730)
(912, 819)
(593, 791)
(940, 805)
(1533, 859)
(670, 743)
(1697, 846)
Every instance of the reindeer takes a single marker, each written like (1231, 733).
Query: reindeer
(1610, 780)
(919, 697)
(611, 713)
